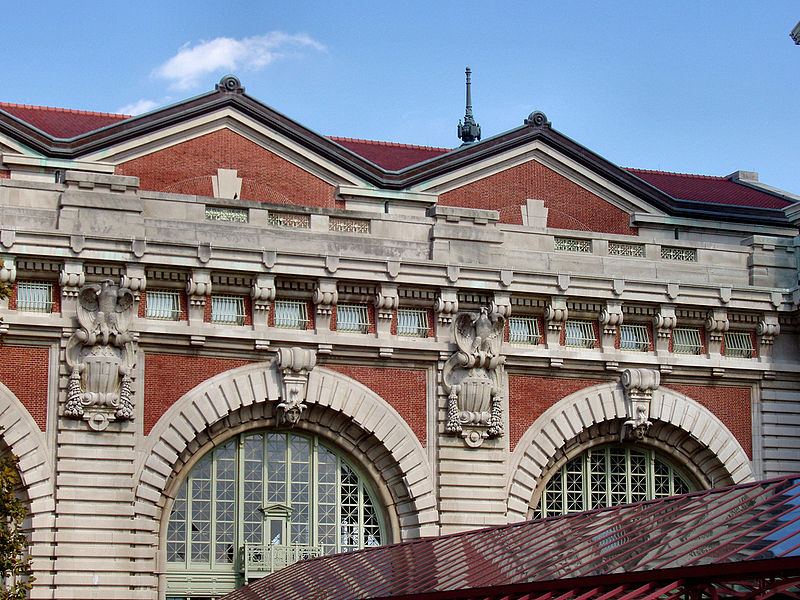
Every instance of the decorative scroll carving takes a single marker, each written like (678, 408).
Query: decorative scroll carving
(386, 301)
(611, 317)
(101, 356)
(134, 279)
(501, 305)
(446, 306)
(198, 288)
(326, 296)
(555, 315)
(716, 324)
(639, 385)
(473, 377)
(665, 321)
(295, 364)
(767, 329)
(71, 279)
(263, 293)
(8, 270)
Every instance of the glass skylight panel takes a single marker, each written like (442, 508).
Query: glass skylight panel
(227, 310)
(579, 334)
(163, 305)
(686, 340)
(739, 344)
(523, 330)
(634, 337)
(352, 317)
(412, 322)
(291, 314)
(35, 296)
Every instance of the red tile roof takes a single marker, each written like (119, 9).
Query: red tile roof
(61, 122)
(389, 155)
(705, 188)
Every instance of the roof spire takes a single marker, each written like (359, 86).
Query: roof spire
(470, 131)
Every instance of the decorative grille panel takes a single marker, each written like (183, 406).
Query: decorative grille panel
(573, 244)
(227, 310)
(163, 304)
(348, 225)
(739, 344)
(634, 337)
(289, 220)
(625, 249)
(35, 296)
(681, 254)
(352, 317)
(412, 322)
(291, 314)
(523, 330)
(579, 334)
(224, 213)
(686, 340)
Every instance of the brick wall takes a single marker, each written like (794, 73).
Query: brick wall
(404, 389)
(530, 396)
(731, 405)
(570, 206)
(24, 371)
(5, 174)
(167, 377)
(186, 168)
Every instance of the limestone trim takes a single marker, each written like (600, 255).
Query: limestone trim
(349, 413)
(579, 411)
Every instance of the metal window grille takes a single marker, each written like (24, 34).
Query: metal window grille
(348, 225)
(228, 310)
(579, 334)
(412, 322)
(289, 220)
(163, 304)
(681, 254)
(686, 341)
(609, 476)
(625, 249)
(573, 244)
(352, 317)
(291, 314)
(35, 296)
(634, 337)
(224, 213)
(739, 344)
(523, 330)
(272, 498)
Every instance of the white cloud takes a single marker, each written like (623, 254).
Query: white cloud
(191, 62)
(138, 107)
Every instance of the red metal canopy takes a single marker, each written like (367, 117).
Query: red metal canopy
(738, 542)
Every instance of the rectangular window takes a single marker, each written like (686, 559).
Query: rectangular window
(634, 337)
(739, 344)
(289, 220)
(579, 334)
(523, 330)
(625, 249)
(291, 314)
(224, 213)
(348, 225)
(686, 341)
(412, 322)
(35, 296)
(163, 304)
(352, 317)
(227, 310)
(681, 254)
(573, 244)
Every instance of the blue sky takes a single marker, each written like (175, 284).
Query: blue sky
(698, 87)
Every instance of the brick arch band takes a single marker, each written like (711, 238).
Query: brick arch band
(352, 415)
(580, 411)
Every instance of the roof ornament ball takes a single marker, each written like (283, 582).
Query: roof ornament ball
(537, 119)
(230, 83)
(469, 131)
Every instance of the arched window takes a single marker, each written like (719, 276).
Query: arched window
(607, 476)
(259, 502)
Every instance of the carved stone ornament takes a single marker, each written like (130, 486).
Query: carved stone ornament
(473, 377)
(101, 355)
(639, 385)
(295, 364)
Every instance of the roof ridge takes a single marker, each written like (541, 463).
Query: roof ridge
(657, 172)
(65, 110)
(392, 144)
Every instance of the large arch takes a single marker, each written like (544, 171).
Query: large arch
(350, 414)
(22, 435)
(674, 415)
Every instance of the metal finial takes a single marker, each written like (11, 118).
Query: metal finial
(469, 131)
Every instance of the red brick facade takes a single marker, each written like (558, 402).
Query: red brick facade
(731, 405)
(530, 396)
(5, 174)
(569, 205)
(167, 377)
(186, 168)
(24, 370)
(404, 389)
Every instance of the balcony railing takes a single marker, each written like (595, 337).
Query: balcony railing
(262, 559)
